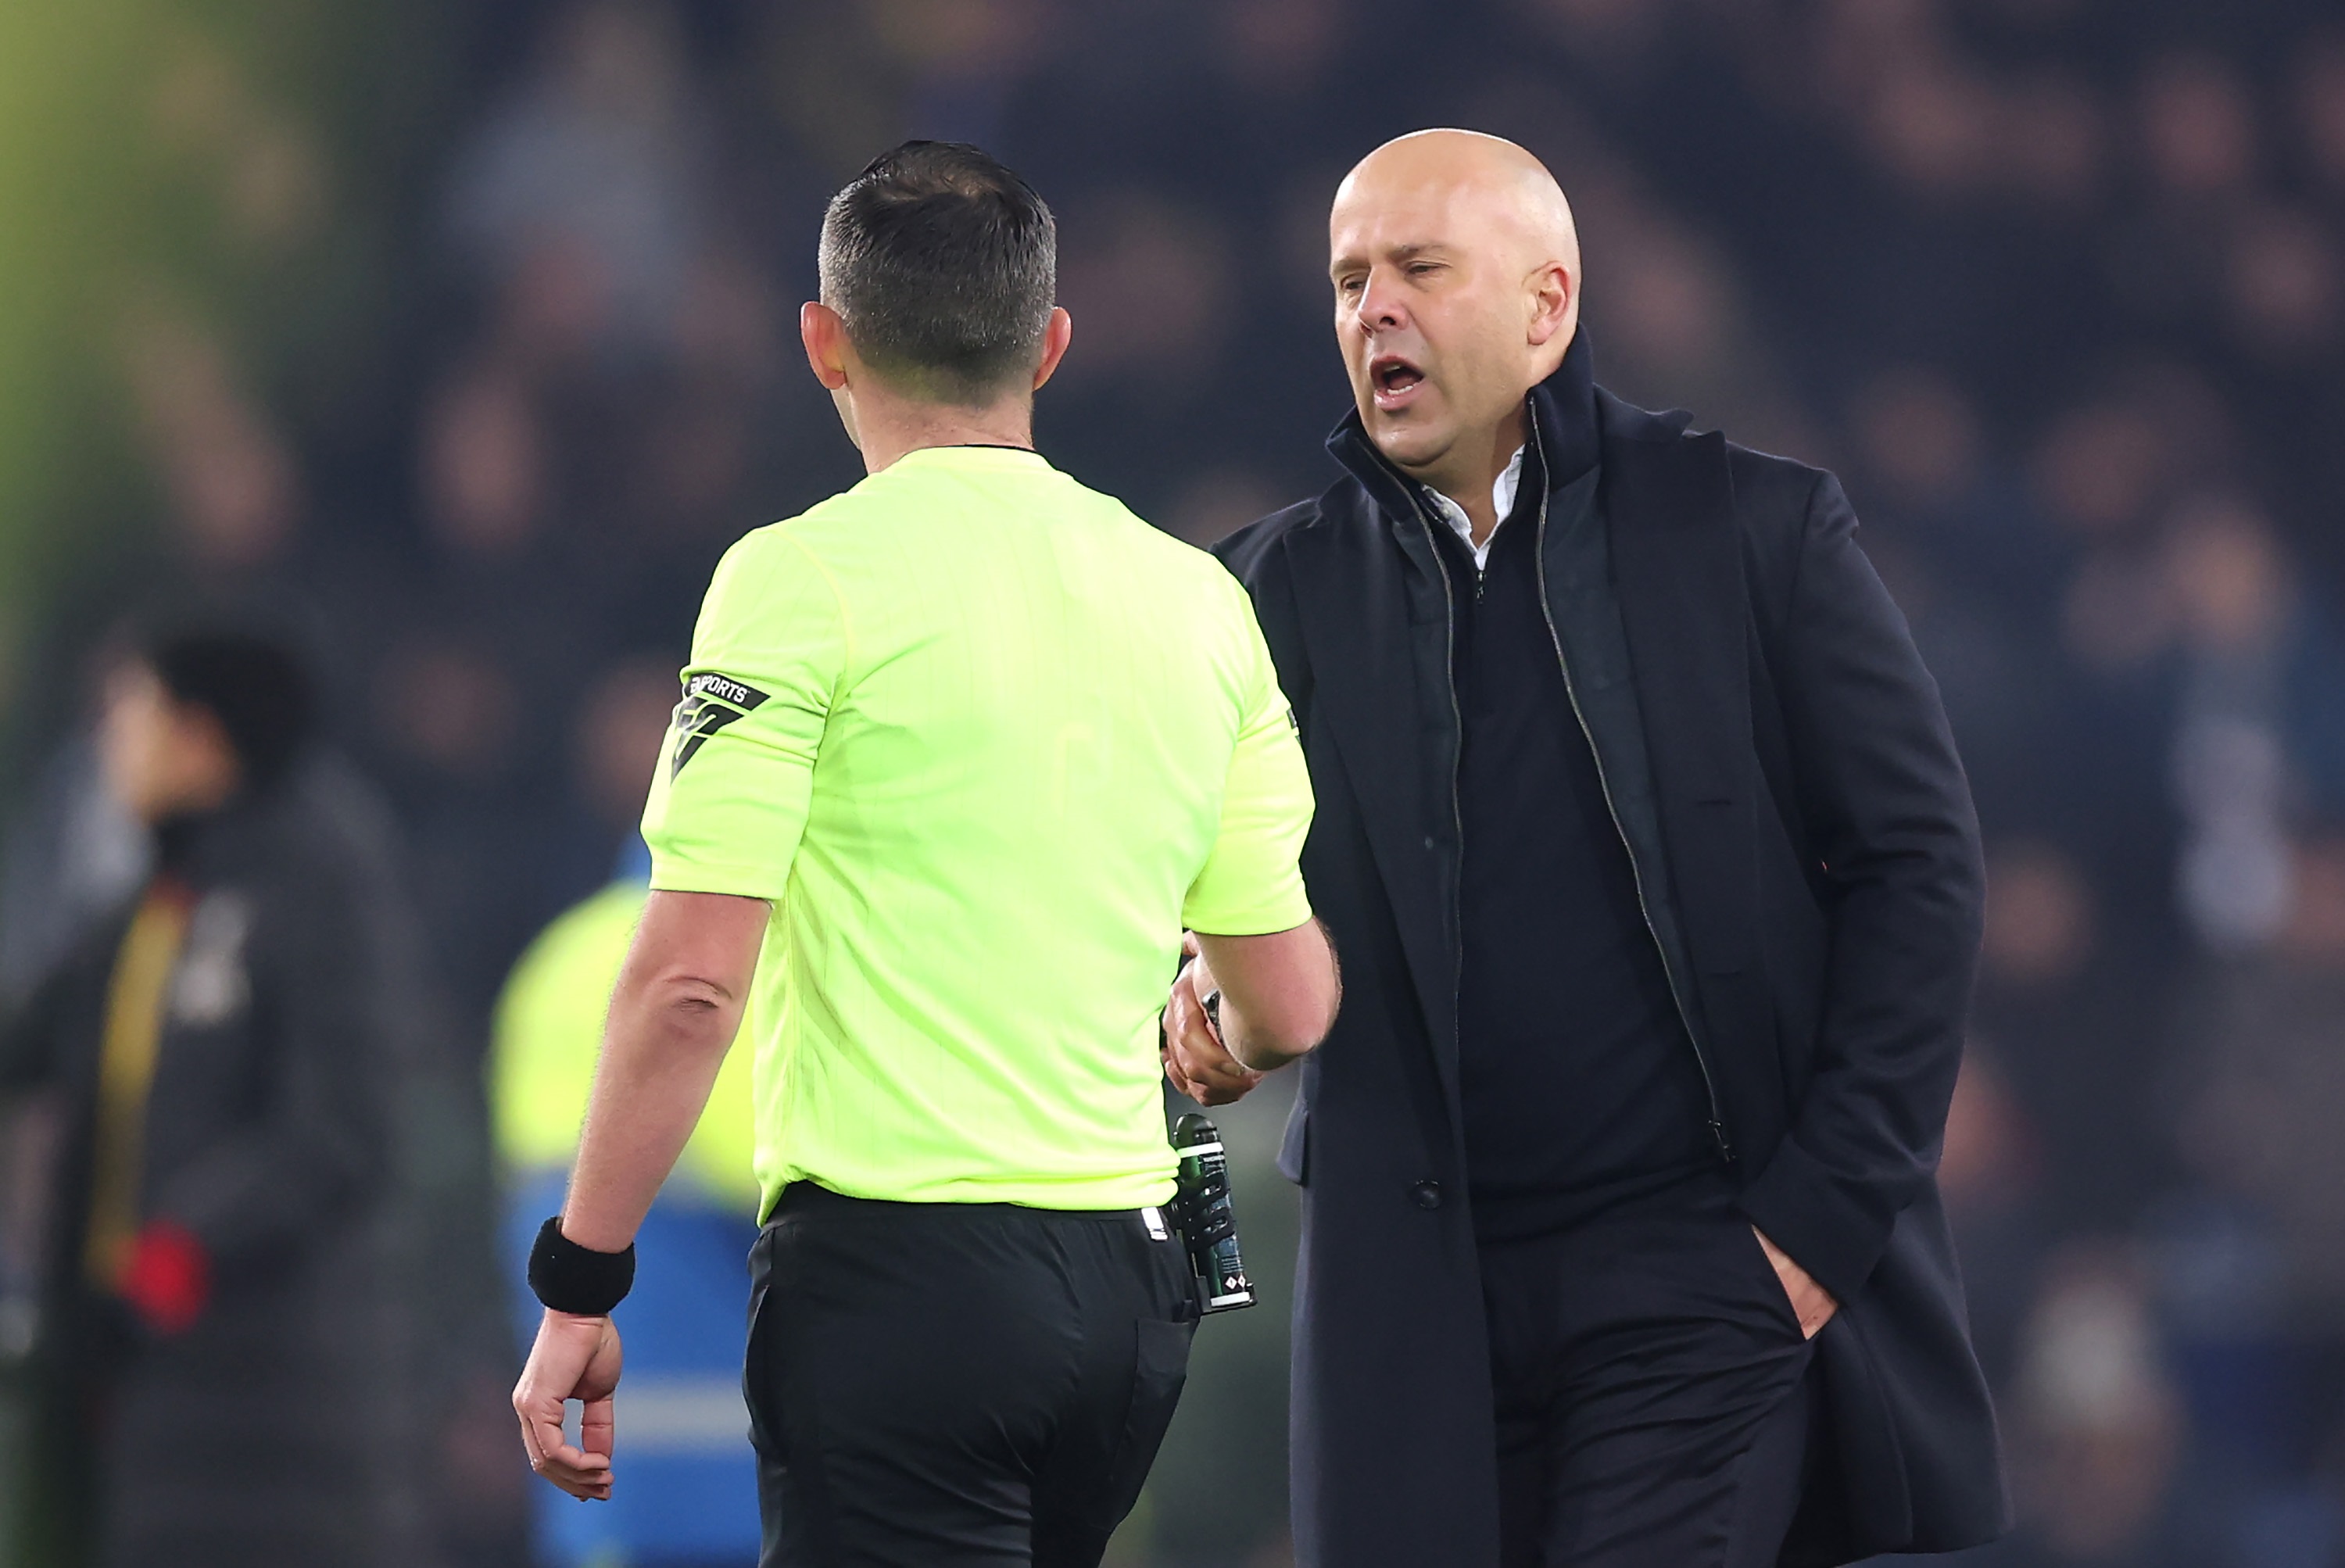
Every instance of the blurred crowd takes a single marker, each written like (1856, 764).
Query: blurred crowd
(2058, 287)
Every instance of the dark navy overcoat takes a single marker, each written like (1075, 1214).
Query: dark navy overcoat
(1784, 777)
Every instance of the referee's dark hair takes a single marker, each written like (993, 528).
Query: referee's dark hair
(944, 266)
(256, 685)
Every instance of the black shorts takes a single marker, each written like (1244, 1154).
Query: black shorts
(950, 1385)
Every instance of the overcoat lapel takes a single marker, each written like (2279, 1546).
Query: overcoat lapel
(1375, 618)
(1678, 566)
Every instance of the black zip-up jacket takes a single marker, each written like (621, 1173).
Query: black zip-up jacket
(1579, 1093)
(1783, 781)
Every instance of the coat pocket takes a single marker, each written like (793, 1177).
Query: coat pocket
(1294, 1144)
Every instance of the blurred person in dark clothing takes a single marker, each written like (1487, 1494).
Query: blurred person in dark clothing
(2100, 1431)
(2266, 1087)
(2078, 1022)
(213, 1362)
(1644, 838)
(1992, 1175)
(2261, 1092)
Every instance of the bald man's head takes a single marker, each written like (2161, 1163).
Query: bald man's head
(1457, 272)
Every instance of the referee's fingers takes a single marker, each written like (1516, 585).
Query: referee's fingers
(1196, 1062)
(598, 1429)
(1187, 1033)
(1177, 1069)
(531, 1443)
(581, 1476)
(578, 1473)
(1203, 1094)
(1202, 1051)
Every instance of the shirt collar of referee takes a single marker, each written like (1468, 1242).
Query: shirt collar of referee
(981, 451)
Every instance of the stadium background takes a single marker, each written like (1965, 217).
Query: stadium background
(469, 327)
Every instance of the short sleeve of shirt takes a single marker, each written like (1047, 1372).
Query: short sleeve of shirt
(1253, 883)
(729, 802)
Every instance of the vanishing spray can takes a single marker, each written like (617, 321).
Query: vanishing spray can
(1209, 1226)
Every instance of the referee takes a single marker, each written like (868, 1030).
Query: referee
(961, 752)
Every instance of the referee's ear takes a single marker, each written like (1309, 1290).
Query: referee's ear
(1055, 338)
(825, 336)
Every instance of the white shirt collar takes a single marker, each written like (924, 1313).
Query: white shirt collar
(1502, 497)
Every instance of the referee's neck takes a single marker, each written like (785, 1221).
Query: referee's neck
(885, 425)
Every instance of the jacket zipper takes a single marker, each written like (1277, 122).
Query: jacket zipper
(1457, 722)
(1636, 873)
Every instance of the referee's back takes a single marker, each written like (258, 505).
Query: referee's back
(987, 742)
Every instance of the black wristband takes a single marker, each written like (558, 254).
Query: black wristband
(578, 1279)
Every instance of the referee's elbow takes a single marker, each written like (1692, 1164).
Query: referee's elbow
(1283, 987)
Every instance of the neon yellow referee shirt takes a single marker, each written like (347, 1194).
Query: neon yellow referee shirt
(987, 742)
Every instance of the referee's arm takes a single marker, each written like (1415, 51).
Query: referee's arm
(673, 1012)
(1252, 942)
(1278, 996)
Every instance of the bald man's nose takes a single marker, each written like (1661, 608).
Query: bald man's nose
(1382, 303)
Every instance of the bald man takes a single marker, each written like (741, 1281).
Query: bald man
(1658, 886)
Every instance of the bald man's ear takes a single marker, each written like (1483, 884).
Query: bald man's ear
(1553, 304)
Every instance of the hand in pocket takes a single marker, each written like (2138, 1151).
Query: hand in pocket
(1810, 1302)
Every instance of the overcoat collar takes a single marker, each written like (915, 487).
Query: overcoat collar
(1563, 406)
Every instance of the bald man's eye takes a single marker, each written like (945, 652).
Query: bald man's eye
(1423, 268)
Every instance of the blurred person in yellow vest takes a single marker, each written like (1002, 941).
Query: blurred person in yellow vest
(699, 1507)
(549, 1020)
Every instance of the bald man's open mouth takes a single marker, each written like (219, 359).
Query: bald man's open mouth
(1396, 382)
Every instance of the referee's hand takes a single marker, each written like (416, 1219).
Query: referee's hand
(574, 1358)
(1196, 1062)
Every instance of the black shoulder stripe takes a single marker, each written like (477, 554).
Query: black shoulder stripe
(711, 702)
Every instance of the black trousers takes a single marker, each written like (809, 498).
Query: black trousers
(1653, 1390)
(957, 1385)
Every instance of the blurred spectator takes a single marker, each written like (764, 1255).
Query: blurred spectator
(584, 199)
(215, 1305)
(2054, 143)
(72, 853)
(485, 476)
(618, 741)
(2259, 731)
(2267, 1087)
(2098, 1427)
(2198, 127)
(2260, 1103)
(1968, 557)
(2283, 284)
(1153, 281)
(2076, 1035)
(1218, 502)
(1992, 1174)
(1668, 315)
(1274, 46)
(70, 859)
(232, 484)
(2320, 107)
